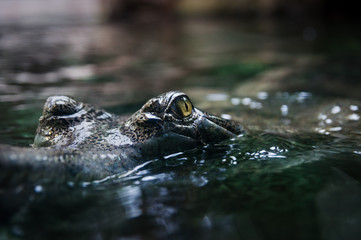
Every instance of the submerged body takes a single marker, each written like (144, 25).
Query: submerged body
(79, 138)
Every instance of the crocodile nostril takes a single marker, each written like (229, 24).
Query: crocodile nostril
(61, 105)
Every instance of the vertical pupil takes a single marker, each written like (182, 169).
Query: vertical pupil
(186, 105)
(182, 107)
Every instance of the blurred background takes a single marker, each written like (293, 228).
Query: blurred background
(119, 53)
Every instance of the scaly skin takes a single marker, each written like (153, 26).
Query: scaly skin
(81, 139)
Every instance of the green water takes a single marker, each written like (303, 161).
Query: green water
(294, 175)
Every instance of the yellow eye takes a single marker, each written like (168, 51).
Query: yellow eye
(183, 107)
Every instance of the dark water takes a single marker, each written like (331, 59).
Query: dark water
(295, 175)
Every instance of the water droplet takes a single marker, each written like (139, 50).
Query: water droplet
(322, 116)
(262, 95)
(148, 178)
(335, 110)
(217, 97)
(353, 107)
(284, 110)
(328, 121)
(322, 131)
(38, 188)
(255, 105)
(335, 129)
(226, 116)
(235, 101)
(354, 117)
(246, 101)
(302, 96)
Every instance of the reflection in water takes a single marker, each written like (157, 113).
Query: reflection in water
(339, 215)
(258, 183)
(130, 197)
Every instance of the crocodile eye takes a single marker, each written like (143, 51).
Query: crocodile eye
(182, 107)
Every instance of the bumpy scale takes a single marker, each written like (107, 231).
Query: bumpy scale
(80, 138)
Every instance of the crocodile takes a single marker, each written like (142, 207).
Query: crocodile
(79, 138)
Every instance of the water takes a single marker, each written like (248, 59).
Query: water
(294, 175)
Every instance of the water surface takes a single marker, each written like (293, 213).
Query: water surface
(294, 175)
